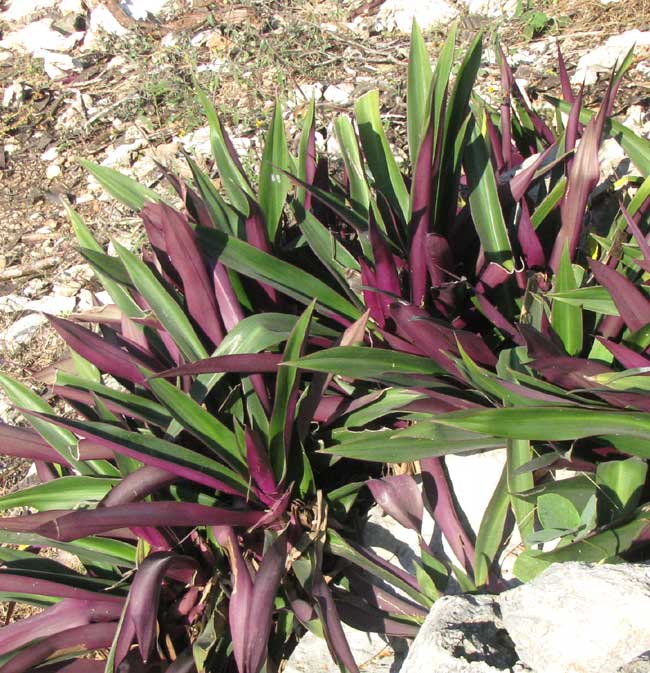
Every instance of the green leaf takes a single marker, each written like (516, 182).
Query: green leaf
(224, 216)
(620, 484)
(484, 201)
(382, 164)
(303, 159)
(126, 190)
(455, 136)
(288, 279)
(161, 450)
(594, 548)
(87, 549)
(490, 532)
(366, 363)
(285, 388)
(274, 184)
(549, 202)
(164, 306)
(422, 440)
(419, 85)
(199, 422)
(62, 493)
(234, 182)
(359, 192)
(141, 407)
(63, 441)
(548, 423)
(118, 294)
(556, 512)
(339, 547)
(519, 453)
(567, 318)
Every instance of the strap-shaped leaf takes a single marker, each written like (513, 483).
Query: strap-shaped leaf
(124, 189)
(164, 306)
(382, 164)
(274, 184)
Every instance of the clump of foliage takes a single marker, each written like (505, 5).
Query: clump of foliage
(273, 349)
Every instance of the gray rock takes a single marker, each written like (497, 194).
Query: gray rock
(462, 634)
(580, 617)
(639, 665)
(372, 653)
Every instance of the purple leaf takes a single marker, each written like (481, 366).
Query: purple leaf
(332, 628)
(421, 199)
(573, 125)
(258, 463)
(242, 363)
(25, 443)
(437, 491)
(438, 257)
(626, 356)
(495, 144)
(359, 615)
(265, 587)
(310, 164)
(98, 351)
(257, 236)
(231, 310)
(385, 272)
(142, 606)
(67, 614)
(400, 498)
(188, 261)
(371, 298)
(381, 598)
(14, 583)
(68, 525)
(435, 339)
(522, 180)
(632, 305)
(252, 601)
(583, 177)
(497, 318)
(528, 239)
(194, 204)
(108, 436)
(565, 82)
(137, 485)
(84, 638)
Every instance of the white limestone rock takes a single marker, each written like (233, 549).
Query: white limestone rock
(580, 617)
(602, 59)
(20, 11)
(463, 634)
(399, 14)
(21, 332)
(31, 38)
(372, 653)
(492, 8)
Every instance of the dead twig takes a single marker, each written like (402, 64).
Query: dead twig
(31, 269)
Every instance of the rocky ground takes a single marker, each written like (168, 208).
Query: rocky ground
(113, 81)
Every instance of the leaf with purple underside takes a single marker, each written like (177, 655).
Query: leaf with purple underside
(632, 305)
(188, 261)
(437, 492)
(68, 525)
(399, 497)
(583, 177)
(142, 607)
(84, 638)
